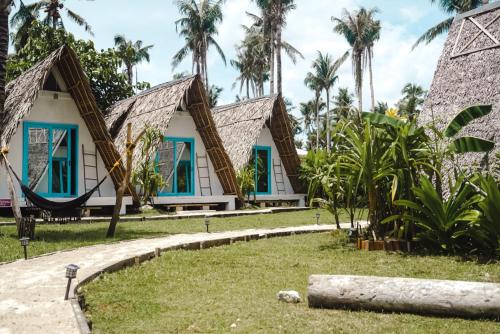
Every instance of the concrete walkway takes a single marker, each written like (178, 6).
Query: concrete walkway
(32, 292)
(181, 215)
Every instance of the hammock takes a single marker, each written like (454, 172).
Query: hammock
(45, 204)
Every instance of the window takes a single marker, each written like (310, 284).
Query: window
(50, 159)
(261, 158)
(175, 161)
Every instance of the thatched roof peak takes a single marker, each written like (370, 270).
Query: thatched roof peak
(468, 74)
(24, 91)
(240, 126)
(245, 102)
(156, 107)
(480, 10)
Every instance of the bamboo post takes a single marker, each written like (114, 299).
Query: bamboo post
(16, 209)
(125, 182)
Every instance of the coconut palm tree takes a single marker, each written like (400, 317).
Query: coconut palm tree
(273, 21)
(22, 21)
(131, 54)
(450, 7)
(326, 72)
(352, 25)
(5, 7)
(198, 27)
(313, 82)
(371, 35)
(343, 102)
(413, 99)
(52, 10)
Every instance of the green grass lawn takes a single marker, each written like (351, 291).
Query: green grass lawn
(207, 291)
(50, 238)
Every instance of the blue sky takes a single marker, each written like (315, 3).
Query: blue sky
(309, 29)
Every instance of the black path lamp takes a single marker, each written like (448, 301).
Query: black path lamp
(24, 242)
(207, 224)
(318, 215)
(71, 271)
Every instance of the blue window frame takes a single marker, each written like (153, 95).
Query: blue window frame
(50, 158)
(262, 164)
(175, 162)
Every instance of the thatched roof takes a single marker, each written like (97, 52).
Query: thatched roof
(468, 73)
(240, 125)
(156, 107)
(23, 92)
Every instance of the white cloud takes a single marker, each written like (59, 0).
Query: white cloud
(412, 13)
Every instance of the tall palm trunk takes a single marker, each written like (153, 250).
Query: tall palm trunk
(358, 78)
(130, 74)
(328, 139)
(317, 120)
(372, 90)
(271, 63)
(4, 49)
(279, 29)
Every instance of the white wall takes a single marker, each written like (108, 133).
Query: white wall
(63, 110)
(266, 139)
(182, 125)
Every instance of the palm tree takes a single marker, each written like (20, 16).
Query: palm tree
(451, 7)
(381, 108)
(5, 7)
(53, 16)
(326, 72)
(214, 95)
(131, 54)
(413, 99)
(313, 82)
(343, 103)
(352, 28)
(198, 26)
(372, 34)
(22, 20)
(272, 22)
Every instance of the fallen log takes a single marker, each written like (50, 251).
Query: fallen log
(407, 295)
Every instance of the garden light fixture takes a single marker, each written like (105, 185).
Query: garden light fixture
(318, 215)
(71, 271)
(24, 242)
(207, 224)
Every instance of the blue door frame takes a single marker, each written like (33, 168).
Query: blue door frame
(71, 146)
(269, 185)
(190, 181)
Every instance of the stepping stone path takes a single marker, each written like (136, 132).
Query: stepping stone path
(32, 292)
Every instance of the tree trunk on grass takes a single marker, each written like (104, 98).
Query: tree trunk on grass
(394, 294)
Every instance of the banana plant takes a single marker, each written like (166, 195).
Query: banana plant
(468, 144)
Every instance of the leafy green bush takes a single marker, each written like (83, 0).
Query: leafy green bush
(443, 223)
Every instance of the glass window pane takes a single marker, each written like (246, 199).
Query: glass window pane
(262, 171)
(38, 159)
(166, 165)
(60, 158)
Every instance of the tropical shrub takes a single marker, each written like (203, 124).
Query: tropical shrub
(444, 225)
(246, 181)
(488, 235)
(146, 175)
